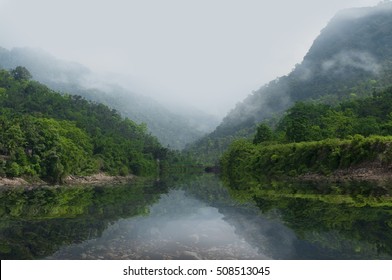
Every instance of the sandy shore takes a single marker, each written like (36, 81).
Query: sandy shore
(96, 179)
(13, 182)
(99, 178)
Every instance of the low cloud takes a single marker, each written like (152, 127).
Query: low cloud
(354, 59)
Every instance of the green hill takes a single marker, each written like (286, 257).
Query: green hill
(350, 59)
(48, 135)
(319, 139)
(174, 129)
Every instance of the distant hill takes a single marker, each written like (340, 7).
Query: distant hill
(171, 128)
(350, 58)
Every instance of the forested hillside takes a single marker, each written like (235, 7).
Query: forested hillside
(351, 58)
(174, 129)
(317, 138)
(48, 135)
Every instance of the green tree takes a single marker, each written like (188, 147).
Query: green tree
(263, 134)
(21, 73)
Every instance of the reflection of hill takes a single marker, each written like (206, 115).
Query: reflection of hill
(318, 221)
(269, 236)
(35, 223)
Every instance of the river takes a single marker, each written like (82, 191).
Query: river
(197, 218)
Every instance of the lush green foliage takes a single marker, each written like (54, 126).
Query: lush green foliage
(349, 60)
(312, 121)
(244, 160)
(174, 129)
(263, 134)
(48, 135)
(318, 138)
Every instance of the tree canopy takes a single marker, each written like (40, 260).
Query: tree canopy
(48, 135)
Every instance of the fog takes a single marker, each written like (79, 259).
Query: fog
(205, 54)
(355, 59)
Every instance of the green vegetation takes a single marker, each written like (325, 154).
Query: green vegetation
(349, 60)
(173, 129)
(49, 136)
(317, 138)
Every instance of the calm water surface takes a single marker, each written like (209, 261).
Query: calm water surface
(197, 218)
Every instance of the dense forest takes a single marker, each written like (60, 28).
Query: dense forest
(47, 135)
(174, 128)
(350, 59)
(317, 138)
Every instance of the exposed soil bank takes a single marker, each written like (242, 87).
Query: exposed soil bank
(96, 179)
(13, 182)
(355, 174)
(99, 179)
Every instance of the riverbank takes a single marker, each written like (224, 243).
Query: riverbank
(364, 173)
(95, 179)
(100, 178)
(359, 158)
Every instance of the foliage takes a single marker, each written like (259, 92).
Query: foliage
(244, 160)
(349, 60)
(174, 129)
(48, 135)
(263, 134)
(21, 73)
(309, 121)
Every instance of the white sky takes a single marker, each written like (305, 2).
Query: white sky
(207, 53)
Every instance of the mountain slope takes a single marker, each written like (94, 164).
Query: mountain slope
(50, 136)
(172, 129)
(351, 57)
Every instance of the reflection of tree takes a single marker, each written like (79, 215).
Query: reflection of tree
(349, 220)
(365, 226)
(35, 223)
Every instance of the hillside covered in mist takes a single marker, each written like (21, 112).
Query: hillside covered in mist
(351, 58)
(173, 129)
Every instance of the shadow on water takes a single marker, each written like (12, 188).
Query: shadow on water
(198, 217)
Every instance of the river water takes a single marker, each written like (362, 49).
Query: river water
(197, 218)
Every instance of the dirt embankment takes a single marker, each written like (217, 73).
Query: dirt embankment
(13, 182)
(96, 179)
(365, 172)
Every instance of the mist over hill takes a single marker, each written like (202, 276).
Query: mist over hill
(351, 58)
(173, 128)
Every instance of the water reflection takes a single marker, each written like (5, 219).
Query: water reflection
(178, 227)
(198, 218)
(35, 223)
(350, 220)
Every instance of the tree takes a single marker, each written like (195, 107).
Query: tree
(263, 133)
(21, 73)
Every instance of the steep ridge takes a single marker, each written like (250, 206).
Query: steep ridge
(350, 58)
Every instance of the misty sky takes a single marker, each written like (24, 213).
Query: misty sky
(206, 53)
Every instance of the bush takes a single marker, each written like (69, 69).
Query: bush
(244, 160)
